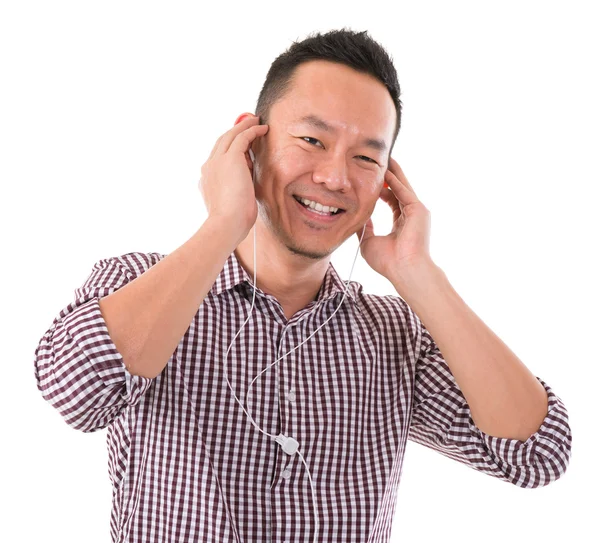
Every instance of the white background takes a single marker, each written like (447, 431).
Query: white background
(108, 111)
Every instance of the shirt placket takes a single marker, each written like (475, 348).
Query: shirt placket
(283, 517)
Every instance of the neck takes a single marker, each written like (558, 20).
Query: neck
(294, 280)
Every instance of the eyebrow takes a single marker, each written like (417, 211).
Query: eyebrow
(320, 124)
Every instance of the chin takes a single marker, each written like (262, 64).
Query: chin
(315, 251)
(311, 255)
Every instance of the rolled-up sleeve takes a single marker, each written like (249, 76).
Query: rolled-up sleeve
(78, 369)
(442, 421)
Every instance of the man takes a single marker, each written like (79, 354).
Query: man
(333, 381)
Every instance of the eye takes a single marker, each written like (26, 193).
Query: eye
(309, 138)
(368, 159)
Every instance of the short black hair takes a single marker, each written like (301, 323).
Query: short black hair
(354, 49)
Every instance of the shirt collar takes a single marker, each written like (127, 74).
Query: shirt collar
(233, 274)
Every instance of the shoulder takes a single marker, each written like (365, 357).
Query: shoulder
(132, 264)
(389, 314)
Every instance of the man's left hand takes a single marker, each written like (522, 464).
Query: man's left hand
(407, 245)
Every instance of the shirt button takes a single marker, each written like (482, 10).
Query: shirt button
(286, 474)
(291, 396)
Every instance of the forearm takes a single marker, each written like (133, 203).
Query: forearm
(147, 318)
(505, 398)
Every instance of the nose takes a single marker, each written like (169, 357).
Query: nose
(333, 173)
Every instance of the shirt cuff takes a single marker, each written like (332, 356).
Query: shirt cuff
(87, 327)
(552, 440)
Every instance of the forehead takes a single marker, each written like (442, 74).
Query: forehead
(350, 101)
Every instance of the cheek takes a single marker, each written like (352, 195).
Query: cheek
(370, 191)
(369, 186)
(283, 167)
(291, 162)
(373, 182)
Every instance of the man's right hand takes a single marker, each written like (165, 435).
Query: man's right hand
(226, 182)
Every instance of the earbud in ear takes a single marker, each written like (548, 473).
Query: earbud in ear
(251, 155)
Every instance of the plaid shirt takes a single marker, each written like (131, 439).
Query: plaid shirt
(186, 463)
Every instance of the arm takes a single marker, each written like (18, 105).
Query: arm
(78, 369)
(505, 398)
(476, 402)
(96, 359)
(101, 355)
(148, 317)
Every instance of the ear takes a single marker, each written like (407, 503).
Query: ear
(242, 117)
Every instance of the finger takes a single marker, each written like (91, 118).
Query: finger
(402, 192)
(224, 142)
(397, 171)
(389, 198)
(242, 141)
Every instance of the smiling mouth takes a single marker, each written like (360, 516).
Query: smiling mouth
(311, 207)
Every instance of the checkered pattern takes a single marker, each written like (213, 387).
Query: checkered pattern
(185, 462)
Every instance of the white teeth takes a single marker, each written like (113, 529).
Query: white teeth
(319, 207)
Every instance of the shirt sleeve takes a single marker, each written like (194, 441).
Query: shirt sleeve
(442, 421)
(78, 369)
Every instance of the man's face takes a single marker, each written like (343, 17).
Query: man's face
(340, 166)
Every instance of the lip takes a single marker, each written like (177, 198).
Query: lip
(326, 219)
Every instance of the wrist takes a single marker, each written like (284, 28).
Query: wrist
(420, 274)
(228, 229)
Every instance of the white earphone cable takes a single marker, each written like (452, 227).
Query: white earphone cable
(288, 444)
